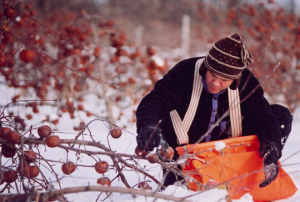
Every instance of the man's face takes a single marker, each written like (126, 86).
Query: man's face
(216, 83)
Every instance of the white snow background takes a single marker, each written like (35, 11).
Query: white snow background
(126, 144)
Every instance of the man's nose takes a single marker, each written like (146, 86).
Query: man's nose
(216, 82)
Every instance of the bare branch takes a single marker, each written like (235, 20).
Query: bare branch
(57, 193)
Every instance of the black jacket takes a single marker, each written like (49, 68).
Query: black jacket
(174, 91)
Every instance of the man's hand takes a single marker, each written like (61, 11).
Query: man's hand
(149, 137)
(271, 167)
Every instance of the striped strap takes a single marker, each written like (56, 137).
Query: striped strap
(235, 112)
(180, 131)
(181, 127)
(197, 89)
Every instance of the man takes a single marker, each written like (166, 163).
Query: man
(191, 104)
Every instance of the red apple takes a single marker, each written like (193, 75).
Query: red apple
(3, 131)
(68, 168)
(8, 151)
(10, 176)
(30, 156)
(34, 171)
(105, 181)
(27, 55)
(101, 167)
(116, 133)
(44, 131)
(13, 137)
(53, 141)
(141, 152)
(167, 154)
(153, 158)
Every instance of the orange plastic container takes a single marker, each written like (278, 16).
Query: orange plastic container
(238, 167)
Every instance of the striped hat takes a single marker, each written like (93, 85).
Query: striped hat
(228, 57)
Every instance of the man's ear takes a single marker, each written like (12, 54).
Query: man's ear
(235, 84)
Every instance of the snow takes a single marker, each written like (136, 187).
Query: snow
(181, 161)
(18, 18)
(84, 176)
(290, 162)
(158, 60)
(220, 145)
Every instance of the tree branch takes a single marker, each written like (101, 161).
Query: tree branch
(57, 193)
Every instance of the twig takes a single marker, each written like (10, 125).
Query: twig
(53, 194)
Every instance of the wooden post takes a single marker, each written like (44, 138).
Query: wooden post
(138, 35)
(185, 35)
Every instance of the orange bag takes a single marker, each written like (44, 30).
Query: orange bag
(238, 166)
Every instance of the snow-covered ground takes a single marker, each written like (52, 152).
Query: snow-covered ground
(126, 144)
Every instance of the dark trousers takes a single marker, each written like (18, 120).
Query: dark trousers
(284, 118)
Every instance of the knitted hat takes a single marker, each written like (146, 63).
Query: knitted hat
(227, 58)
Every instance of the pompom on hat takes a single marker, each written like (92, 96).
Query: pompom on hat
(227, 58)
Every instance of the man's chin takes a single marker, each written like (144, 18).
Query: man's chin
(213, 91)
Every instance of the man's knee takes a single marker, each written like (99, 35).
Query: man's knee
(281, 113)
(170, 178)
(285, 119)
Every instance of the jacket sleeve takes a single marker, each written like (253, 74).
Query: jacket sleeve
(257, 115)
(166, 95)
